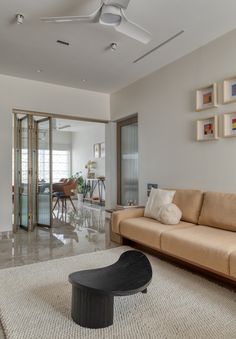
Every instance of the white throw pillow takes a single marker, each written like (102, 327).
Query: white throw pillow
(156, 200)
(170, 214)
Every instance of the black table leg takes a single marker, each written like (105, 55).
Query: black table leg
(91, 310)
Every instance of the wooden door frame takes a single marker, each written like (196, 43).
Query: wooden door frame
(121, 123)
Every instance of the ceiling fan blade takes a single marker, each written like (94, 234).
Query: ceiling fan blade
(133, 31)
(94, 17)
(118, 3)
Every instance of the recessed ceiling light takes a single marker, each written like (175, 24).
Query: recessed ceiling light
(113, 46)
(39, 70)
(19, 18)
(83, 80)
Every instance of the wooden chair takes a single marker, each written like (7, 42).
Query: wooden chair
(63, 191)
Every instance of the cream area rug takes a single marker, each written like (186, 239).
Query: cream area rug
(35, 303)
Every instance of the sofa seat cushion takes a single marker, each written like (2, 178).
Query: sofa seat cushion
(206, 246)
(190, 203)
(219, 210)
(147, 231)
(232, 265)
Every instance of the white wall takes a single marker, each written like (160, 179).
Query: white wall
(82, 148)
(61, 140)
(165, 102)
(44, 97)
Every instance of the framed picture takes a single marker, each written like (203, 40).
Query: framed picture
(229, 88)
(206, 97)
(96, 151)
(207, 129)
(102, 150)
(230, 125)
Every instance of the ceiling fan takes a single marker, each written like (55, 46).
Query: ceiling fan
(110, 13)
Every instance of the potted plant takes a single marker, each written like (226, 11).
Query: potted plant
(80, 185)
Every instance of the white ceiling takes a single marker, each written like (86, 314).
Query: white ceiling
(32, 46)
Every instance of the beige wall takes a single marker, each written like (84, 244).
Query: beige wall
(37, 96)
(165, 102)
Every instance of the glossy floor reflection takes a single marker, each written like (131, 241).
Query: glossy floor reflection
(83, 231)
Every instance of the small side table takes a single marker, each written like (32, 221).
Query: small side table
(93, 291)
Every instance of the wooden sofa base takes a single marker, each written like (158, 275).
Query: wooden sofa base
(221, 280)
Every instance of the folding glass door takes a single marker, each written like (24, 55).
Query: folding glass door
(32, 185)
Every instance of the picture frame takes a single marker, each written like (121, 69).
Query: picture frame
(206, 97)
(229, 125)
(207, 129)
(229, 90)
(102, 150)
(96, 151)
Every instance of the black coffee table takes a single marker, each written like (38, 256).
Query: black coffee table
(93, 291)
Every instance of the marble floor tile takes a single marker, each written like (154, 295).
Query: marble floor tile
(72, 233)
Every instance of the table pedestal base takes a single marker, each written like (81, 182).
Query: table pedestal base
(91, 310)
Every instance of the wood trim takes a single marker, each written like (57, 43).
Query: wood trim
(16, 173)
(124, 122)
(59, 116)
(50, 166)
(210, 275)
(126, 118)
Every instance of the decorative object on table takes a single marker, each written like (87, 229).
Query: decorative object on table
(149, 187)
(102, 150)
(207, 129)
(80, 185)
(131, 203)
(229, 89)
(229, 128)
(90, 166)
(206, 97)
(93, 290)
(96, 151)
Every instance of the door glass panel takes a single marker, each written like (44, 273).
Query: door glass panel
(44, 172)
(24, 191)
(16, 170)
(129, 164)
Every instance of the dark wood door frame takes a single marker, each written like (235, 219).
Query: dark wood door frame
(121, 123)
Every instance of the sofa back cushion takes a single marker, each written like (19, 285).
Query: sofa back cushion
(219, 210)
(190, 203)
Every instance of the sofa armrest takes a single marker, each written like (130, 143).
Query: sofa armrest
(121, 215)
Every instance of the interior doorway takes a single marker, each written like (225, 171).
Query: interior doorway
(127, 161)
(58, 161)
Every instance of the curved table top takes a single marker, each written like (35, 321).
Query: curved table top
(131, 274)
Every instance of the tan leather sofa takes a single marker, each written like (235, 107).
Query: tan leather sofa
(205, 236)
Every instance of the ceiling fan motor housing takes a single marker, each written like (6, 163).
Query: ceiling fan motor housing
(110, 15)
